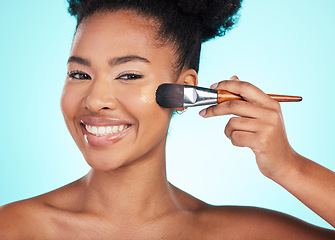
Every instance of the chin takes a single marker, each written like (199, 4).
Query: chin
(104, 162)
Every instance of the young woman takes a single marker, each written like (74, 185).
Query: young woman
(121, 52)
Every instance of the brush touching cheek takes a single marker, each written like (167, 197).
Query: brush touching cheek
(148, 94)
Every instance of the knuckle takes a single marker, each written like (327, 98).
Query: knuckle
(230, 126)
(235, 138)
(233, 121)
(246, 85)
(274, 115)
(232, 104)
(243, 120)
(213, 111)
(276, 106)
(222, 84)
(209, 111)
(227, 131)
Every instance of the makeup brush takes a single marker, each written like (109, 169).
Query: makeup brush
(176, 96)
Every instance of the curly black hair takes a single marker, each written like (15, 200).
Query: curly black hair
(183, 23)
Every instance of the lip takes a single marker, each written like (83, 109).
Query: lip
(107, 140)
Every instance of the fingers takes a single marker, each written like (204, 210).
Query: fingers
(258, 134)
(234, 78)
(236, 107)
(252, 95)
(248, 92)
(259, 124)
(243, 132)
(241, 124)
(242, 138)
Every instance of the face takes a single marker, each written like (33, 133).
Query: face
(108, 100)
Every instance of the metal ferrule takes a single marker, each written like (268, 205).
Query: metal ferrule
(197, 96)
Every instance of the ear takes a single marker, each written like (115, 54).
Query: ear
(187, 77)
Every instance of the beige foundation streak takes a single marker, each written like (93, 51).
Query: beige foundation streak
(148, 94)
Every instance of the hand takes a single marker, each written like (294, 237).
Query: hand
(259, 126)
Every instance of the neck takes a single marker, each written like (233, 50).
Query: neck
(137, 191)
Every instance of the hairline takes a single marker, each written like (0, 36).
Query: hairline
(160, 40)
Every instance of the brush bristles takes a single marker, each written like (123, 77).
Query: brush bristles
(170, 95)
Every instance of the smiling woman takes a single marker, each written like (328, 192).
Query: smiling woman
(117, 64)
(121, 52)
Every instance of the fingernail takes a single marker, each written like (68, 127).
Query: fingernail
(202, 112)
(214, 86)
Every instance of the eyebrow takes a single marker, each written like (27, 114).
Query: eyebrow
(111, 62)
(125, 59)
(79, 60)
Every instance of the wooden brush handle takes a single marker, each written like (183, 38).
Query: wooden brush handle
(224, 96)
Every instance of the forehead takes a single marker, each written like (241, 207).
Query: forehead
(118, 34)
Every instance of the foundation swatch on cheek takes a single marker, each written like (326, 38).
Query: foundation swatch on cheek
(148, 94)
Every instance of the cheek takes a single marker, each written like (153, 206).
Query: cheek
(147, 94)
(142, 103)
(69, 103)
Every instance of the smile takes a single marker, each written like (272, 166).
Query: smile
(105, 130)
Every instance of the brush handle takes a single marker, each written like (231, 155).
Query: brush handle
(224, 96)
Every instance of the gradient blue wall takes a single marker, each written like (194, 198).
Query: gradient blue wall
(283, 47)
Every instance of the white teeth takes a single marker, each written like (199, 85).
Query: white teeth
(88, 128)
(114, 129)
(108, 130)
(103, 131)
(94, 130)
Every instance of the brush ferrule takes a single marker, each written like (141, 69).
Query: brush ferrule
(197, 96)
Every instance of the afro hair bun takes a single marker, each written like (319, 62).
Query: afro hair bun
(215, 17)
(184, 24)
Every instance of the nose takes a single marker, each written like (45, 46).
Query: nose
(100, 96)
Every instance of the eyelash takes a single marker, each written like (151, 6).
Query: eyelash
(83, 75)
(129, 76)
(77, 74)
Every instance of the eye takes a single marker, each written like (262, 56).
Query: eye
(130, 76)
(78, 75)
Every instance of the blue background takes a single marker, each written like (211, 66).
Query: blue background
(283, 47)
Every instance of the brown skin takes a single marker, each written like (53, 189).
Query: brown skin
(126, 194)
(261, 128)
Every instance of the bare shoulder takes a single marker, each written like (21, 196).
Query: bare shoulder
(32, 218)
(18, 220)
(260, 223)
